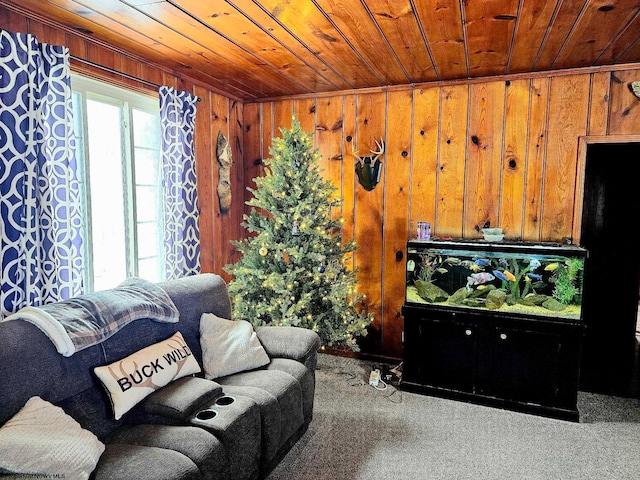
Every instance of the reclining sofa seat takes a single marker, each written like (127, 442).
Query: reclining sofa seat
(157, 440)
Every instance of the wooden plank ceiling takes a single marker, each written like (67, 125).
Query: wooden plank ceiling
(253, 49)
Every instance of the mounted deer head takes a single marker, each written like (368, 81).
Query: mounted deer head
(369, 168)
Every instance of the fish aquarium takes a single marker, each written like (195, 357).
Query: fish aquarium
(516, 278)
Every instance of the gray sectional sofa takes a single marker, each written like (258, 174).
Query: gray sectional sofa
(234, 427)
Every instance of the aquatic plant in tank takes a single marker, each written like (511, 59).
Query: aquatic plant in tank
(518, 278)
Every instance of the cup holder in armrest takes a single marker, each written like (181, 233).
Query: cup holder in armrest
(225, 400)
(206, 414)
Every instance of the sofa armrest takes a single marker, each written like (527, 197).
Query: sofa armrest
(294, 343)
(181, 398)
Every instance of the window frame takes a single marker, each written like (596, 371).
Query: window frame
(85, 88)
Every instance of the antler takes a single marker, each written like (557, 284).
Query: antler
(376, 153)
(380, 146)
(355, 154)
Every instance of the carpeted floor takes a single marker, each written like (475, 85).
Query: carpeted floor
(359, 432)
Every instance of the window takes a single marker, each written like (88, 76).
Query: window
(121, 174)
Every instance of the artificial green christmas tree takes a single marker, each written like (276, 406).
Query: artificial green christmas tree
(292, 270)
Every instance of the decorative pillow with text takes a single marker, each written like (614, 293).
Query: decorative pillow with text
(130, 380)
(229, 346)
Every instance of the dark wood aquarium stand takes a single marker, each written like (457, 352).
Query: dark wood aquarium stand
(517, 362)
(527, 365)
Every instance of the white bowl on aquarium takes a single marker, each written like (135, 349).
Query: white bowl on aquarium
(493, 238)
(492, 234)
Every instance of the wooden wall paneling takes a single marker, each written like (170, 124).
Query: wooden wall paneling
(219, 115)
(267, 128)
(424, 159)
(514, 162)
(396, 217)
(536, 154)
(46, 33)
(371, 123)
(94, 53)
(151, 73)
(13, 22)
(252, 158)
(232, 222)
(452, 150)
(205, 159)
(169, 80)
(305, 111)
(101, 55)
(599, 103)
(282, 116)
(328, 139)
(184, 84)
(624, 113)
(77, 47)
(350, 106)
(484, 157)
(569, 98)
(130, 66)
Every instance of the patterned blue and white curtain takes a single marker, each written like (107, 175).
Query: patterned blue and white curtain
(181, 233)
(40, 216)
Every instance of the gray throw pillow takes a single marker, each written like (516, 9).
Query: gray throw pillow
(229, 346)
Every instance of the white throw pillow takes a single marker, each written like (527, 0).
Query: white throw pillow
(42, 440)
(229, 346)
(130, 380)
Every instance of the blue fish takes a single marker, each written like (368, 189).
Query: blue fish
(500, 275)
(482, 262)
(534, 264)
(534, 276)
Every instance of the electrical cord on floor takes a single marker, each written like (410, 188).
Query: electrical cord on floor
(395, 396)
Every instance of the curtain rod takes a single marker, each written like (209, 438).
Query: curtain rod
(111, 70)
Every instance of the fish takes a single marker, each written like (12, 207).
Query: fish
(482, 262)
(453, 261)
(534, 263)
(475, 268)
(534, 276)
(411, 266)
(500, 275)
(479, 278)
(510, 276)
(503, 262)
(442, 270)
(551, 267)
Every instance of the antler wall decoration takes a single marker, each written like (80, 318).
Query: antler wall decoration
(369, 168)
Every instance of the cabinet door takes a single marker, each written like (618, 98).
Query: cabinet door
(520, 364)
(441, 353)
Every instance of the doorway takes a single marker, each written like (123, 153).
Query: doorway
(610, 215)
